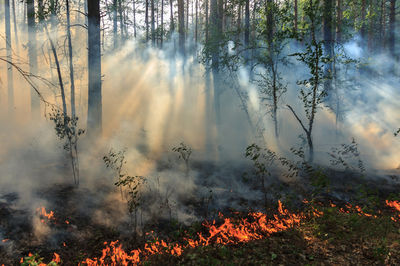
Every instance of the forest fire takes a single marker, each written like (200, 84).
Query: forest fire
(232, 231)
(396, 206)
(44, 214)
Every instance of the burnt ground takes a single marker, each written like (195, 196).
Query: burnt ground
(334, 239)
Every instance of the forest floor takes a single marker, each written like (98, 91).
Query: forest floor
(331, 232)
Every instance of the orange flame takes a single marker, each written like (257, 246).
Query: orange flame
(43, 213)
(256, 226)
(396, 205)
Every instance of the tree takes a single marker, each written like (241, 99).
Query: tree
(328, 42)
(10, 82)
(153, 30)
(32, 54)
(94, 118)
(181, 26)
(115, 23)
(311, 93)
(392, 27)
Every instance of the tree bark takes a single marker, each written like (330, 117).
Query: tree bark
(71, 63)
(94, 123)
(181, 21)
(247, 24)
(134, 17)
(339, 16)
(153, 29)
(296, 15)
(171, 12)
(328, 43)
(392, 22)
(115, 23)
(146, 19)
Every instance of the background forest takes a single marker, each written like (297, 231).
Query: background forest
(128, 116)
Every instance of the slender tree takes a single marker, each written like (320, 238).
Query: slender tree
(134, 17)
(94, 118)
(153, 29)
(9, 58)
(15, 25)
(392, 27)
(115, 23)
(181, 22)
(171, 12)
(32, 54)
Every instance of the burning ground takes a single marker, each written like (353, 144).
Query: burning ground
(340, 225)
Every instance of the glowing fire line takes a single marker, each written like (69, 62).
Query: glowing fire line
(231, 231)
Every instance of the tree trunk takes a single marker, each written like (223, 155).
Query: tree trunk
(207, 19)
(115, 24)
(15, 26)
(153, 30)
(94, 123)
(187, 15)
(296, 15)
(10, 82)
(247, 24)
(363, 14)
(32, 54)
(195, 29)
(339, 16)
(171, 12)
(121, 21)
(71, 63)
(328, 43)
(146, 19)
(162, 23)
(134, 17)
(392, 22)
(181, 21)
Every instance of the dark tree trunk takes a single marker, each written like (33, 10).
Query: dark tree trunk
(9, 58)
(207, 19)
(392, 22)
(181, 22)
(363, 14)
(187, 15)
(134, 17)
(153, 29)
(247, 24)
(195, 29)
(94, 123)
(121, 21)
(115, 23)
(162, 23)
(328, 42)
(296, 15)
(146, 19)
(171, 12)
(339, 16)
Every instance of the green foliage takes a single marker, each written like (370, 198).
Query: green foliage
(184, 151)
(131, 186)
(344, 156)
(66, 128)
(35, 260)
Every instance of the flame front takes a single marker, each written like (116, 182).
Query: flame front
(231, 231)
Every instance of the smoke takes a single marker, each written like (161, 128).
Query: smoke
(152, 101)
